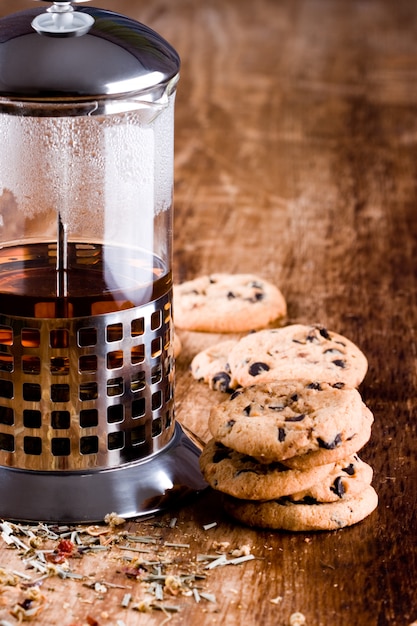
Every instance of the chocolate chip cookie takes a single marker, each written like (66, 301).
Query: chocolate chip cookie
(297, 351)
(285, 515)
(278, 421)
(242, 476)
(227, 303)
(211, 366)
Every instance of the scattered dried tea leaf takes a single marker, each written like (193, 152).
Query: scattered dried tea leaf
(96, 531)
(113, 519)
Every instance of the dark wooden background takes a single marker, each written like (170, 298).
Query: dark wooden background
(296, 159)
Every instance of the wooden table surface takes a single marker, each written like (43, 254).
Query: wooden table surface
(296, 159)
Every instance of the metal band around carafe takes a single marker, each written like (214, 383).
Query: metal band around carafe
(86, 393)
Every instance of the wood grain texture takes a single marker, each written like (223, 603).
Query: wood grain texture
(296, 139)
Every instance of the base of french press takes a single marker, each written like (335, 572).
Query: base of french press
(137, 489)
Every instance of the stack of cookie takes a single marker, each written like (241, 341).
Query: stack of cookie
(285, 456)
(284, 445)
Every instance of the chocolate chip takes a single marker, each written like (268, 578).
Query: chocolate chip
(339, 363)
(221, 453)
(245, 471)
(230, 424)
(236, 393)
(281, 434)
(338, 385)
(257, 297)
(294, 398)
(324, 333)
(221, 381)
(247, 410)
(257, 368)
(315, 386)
(350, 469)
(338, 487)
(231, 295)
(295, 418)
(332, 444)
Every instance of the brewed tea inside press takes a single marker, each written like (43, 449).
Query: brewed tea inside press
(87, 420)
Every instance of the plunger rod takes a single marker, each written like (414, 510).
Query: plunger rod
(61, 269)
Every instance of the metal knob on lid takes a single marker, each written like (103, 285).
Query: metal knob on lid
(87, 409)
(60, 20)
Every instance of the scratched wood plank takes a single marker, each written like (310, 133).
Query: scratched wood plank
(296, 131)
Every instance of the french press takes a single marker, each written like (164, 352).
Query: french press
(87, 421)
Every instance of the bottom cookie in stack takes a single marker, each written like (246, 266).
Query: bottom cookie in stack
(289, 461)
(296, 516)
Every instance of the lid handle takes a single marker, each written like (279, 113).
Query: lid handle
(60, 20)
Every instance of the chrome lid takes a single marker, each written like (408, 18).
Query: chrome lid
(71, 53)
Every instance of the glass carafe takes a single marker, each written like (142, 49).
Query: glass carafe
(87, 423)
